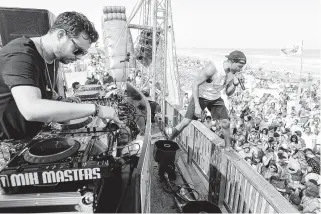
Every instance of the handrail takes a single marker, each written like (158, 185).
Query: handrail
(232, 182)
(141, 175)
(264, 190)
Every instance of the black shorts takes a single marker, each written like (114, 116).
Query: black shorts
(216, 107)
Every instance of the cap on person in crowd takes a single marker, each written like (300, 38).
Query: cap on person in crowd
(237, 56)
(294, 166)
(296, 176)
(295, 200)
(286, 130)
(283, 156)
(269, 150)
(313, 177)
(246, 145)
(271, 128)
(247, 159)
(278, 183)
(298, 133)
(276, 134)
(258, 142)
(284, 147)
(312, 190)
(311, 182)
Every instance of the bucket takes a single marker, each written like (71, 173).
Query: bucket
(200, 207)
(165, 152)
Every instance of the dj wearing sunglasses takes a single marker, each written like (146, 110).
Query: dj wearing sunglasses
(28, 68)
(78, 50)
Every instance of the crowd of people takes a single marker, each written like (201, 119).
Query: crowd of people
(96, 72)
(277, 133)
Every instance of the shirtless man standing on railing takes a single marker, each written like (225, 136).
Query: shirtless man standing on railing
(206, 92)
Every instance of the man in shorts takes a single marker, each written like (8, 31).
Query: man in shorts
(206, 92)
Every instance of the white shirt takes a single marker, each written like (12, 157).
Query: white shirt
(185, 101)
(212, 90)
(308, 140)
(138, 81)
(296, 128)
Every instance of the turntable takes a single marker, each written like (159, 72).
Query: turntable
(54, 160)
(76, 124)
(51, 150)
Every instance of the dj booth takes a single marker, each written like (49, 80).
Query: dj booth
(85, 165)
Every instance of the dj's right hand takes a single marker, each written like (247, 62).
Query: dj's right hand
(106, 112)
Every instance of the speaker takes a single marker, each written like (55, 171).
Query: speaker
(17, 22)
(144, 48)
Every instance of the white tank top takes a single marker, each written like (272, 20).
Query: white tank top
(212, 90)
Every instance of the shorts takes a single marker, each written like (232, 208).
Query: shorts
(216, 107)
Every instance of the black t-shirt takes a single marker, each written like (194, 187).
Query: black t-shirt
(20, 64)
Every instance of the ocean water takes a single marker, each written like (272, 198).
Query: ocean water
(269, 59)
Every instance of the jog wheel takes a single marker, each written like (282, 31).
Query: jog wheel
(83, 95)
(51, 150)
(76, 124)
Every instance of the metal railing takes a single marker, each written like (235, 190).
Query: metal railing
(231, 181)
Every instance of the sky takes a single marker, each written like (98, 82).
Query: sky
(216, 23)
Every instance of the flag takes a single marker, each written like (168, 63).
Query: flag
(293, 50)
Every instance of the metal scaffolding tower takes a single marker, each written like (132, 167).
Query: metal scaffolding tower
(160, 21)
(163, 71)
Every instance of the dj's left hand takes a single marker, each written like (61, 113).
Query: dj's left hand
(71, 100)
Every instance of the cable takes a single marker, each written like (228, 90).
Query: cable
(133, 164)
(176, 188)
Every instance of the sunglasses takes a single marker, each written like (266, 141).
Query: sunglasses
(78, 50)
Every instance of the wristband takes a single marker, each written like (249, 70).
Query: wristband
(59, 98)
(96, 110)
(235, 84)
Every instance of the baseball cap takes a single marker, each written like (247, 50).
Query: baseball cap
(237, 55)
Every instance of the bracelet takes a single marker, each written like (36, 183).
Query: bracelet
(59, 98)
(235, 84)
(96, 110)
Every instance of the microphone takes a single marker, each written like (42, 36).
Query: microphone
(241, 83)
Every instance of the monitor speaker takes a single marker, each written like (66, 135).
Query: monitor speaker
(17, 22)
